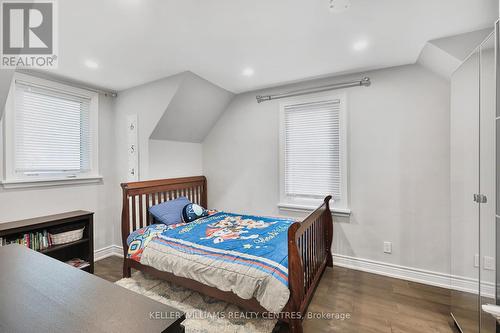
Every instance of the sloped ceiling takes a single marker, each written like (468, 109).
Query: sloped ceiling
(444, 55)
(193, 110)
(5, 80)
(461, 46)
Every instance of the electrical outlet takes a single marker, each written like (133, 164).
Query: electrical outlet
(476, 260)
(388, 247)
(489, 263)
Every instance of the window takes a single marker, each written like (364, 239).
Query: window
(50, 132)
(313, 153)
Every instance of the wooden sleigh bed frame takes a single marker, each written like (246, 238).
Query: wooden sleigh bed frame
(309, 244)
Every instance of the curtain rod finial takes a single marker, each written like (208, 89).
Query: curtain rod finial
(261, 99)
(366, 81)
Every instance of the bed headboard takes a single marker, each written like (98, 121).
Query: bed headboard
(139, 196)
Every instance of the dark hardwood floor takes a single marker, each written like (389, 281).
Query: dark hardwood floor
(375, 303)
(109, 268)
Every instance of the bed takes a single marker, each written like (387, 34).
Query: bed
(286, 281)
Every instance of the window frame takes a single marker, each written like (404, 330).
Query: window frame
(339, 207)
(13, 179)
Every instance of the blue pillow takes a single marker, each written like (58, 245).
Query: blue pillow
(192, 212)
(169, 212)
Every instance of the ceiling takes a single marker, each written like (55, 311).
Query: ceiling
(138, 41)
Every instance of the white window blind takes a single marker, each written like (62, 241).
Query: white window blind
(52, 134)
(312, 149)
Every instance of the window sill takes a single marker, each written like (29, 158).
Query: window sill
(305, 208)
(21, 183)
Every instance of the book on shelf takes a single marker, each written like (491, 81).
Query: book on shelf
(37, 241)
(78, 263)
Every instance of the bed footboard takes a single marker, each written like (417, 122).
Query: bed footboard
(309, 252)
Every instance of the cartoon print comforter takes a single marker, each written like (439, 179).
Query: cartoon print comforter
(245, 254)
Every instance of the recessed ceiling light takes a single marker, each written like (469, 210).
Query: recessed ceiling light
(360, 45)
(91, 64)
(339, 6)
(248, 71)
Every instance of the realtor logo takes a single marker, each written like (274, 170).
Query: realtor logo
(28, 34)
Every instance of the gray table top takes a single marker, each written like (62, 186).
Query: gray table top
(41, 294)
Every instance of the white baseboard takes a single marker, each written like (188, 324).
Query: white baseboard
(108, 251)
(437, 279)
(470, 285)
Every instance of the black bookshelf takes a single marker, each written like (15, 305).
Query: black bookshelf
(83, 248)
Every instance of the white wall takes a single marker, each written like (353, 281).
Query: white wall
(157, 158)
(149, 102)
(171, 159)
(101, 198)
(399, 165)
